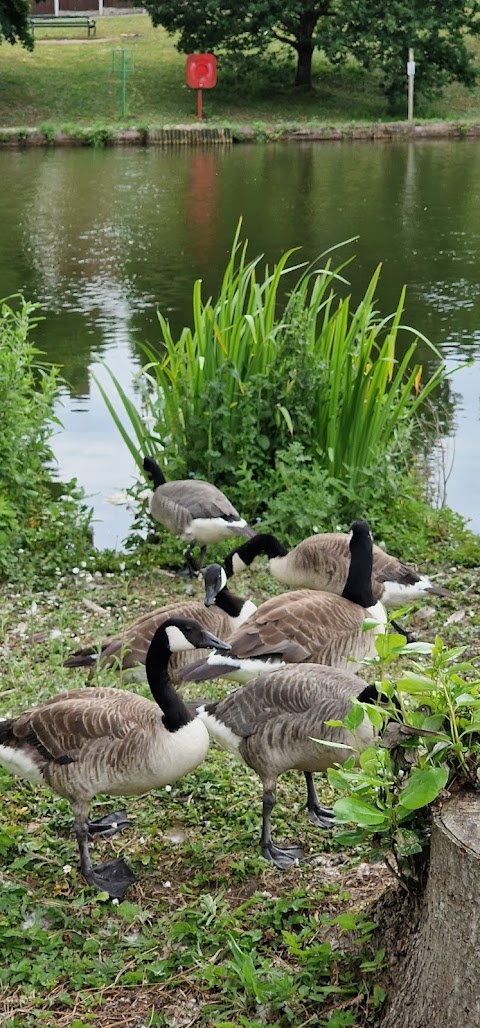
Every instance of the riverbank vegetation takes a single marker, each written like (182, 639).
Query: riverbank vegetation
(67, 80)
(38, 532)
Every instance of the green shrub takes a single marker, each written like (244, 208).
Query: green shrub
(37, 533)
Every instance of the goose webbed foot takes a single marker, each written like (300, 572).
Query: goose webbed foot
(283, 856)
(108, 825)
(113, 877)
(322, 817)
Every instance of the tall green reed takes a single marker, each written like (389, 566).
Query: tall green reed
(262, 366)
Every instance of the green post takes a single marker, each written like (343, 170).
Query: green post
(125, 56)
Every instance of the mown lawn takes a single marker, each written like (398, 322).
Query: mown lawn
(210, 934)
(68, 79)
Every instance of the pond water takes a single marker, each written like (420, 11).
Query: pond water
(103, 238)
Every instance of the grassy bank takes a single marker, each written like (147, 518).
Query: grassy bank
(68, 79)
(210, 934)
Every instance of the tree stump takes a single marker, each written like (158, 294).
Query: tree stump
(437, 979)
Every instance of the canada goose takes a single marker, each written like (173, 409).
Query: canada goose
(322, 561)
(129, 647)
(193, 510)
(305, 625)
(271, 723)
(87, 741)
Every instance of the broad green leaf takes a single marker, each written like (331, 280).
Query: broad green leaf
(350, 808)
(374, 716)
(423, 786)
(369, 623)
(368, 756)
(416, 679)
(355, 717)
(418, 647)
(337, 780)
(388, 644)
(407, 842)
(411, 688)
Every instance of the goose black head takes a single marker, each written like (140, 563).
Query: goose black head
(185, 633)
(360, 529)
(215, 580)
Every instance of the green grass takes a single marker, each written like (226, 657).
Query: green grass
(68, 79)
(210, 935)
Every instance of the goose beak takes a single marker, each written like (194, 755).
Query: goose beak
(210, 595)
(211, 642)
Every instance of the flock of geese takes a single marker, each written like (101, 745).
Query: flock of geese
(295, 655)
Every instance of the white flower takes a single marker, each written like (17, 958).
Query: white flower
(115, 901)
(67, 869)
(167, 885)
(168, 788)
(75, 571)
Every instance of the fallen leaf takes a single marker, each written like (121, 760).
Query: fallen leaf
(97, 609)
(457, 615)
(424, 613)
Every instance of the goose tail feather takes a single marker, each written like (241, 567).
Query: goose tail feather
(84, 658)
(436, 590)
(202, 671)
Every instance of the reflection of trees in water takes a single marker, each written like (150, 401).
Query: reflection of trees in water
(106, 236)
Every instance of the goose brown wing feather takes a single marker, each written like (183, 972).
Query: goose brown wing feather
(389, 569)
(74, 721)
(199, 499)
(327, 557)
(299, 625)
(129, 647)
(287, 691)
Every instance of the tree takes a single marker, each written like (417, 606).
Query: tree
(431, 937)
(378, 34)
(14, 22)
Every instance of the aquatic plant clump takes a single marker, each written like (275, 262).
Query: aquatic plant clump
(263, 369)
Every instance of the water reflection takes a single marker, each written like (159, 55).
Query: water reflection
(102, 238)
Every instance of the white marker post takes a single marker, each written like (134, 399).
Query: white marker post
(411, 76)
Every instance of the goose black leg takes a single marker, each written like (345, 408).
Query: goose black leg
(113, 877)
(192, 567)
(321, 816)
(281, 856)
(410, 637)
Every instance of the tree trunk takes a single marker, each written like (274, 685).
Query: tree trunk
(303, 75)
(436, 980)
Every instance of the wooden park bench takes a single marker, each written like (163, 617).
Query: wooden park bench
(52, 21)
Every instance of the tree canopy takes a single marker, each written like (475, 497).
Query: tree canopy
(14, 22)
(376, 33)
